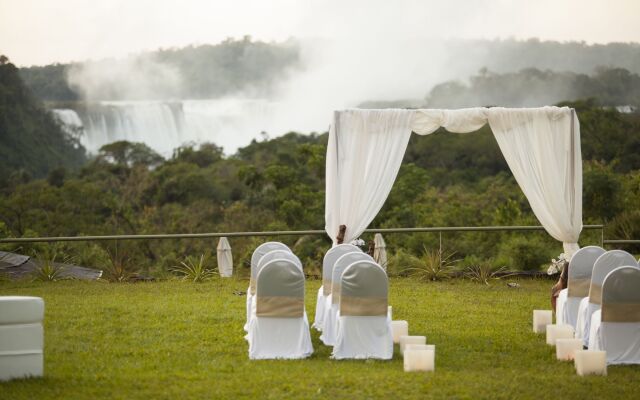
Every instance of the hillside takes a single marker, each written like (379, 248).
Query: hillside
(30, 138)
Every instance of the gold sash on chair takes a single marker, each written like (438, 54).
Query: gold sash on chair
(595, 294)
(578, 287)
(363, 306)
(280, 306)
(621, 312)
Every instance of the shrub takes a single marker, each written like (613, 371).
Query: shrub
(433, 265)
(524, 253)
(194, 269)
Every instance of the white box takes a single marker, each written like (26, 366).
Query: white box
(16, 365)
(558, 332)
(542, 318)
(404, 340)
(398, 329)
(419, 360)
(566, 348)
(589, 362)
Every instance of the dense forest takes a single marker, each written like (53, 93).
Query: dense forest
(49, 188)
(31, 142)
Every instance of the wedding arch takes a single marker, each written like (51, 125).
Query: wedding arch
(541, 147)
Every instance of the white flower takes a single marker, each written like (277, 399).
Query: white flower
(358, 242)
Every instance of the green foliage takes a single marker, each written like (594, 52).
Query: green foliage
(484, 272)
(524, 253)
(194, 269)
(118, 268)
(433, 265)
(31, 141)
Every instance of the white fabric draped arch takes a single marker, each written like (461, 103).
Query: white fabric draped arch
(541, 147)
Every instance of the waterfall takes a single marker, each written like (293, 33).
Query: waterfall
(166, 125)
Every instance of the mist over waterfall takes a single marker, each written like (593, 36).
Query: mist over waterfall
(166, 125)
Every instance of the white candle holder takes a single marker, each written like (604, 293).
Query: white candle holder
(399, 328)
(405, 340)
(390, 312)
(419, 360)
(542, 318)
(566, 348)
(558, 332)
(413, 346)
(589, 362)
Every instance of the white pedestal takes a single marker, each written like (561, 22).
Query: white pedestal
(566, 348)
(405, 340)
(419, 360)
(589, 362)
(542, 318)
(398, 329)
(558, 332)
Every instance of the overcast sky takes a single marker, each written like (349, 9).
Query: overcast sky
(45, 31)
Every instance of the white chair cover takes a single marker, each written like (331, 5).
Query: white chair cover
(579, 281)
(279, 329)
(616, 327)
(606, 263)
(327, 267)
(364, 331)
(330, 320)
(260, 251)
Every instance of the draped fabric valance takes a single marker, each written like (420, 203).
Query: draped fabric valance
(541, 147)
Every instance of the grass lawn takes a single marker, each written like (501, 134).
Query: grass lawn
(178, 340)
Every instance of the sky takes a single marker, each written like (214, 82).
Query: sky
(38, 32)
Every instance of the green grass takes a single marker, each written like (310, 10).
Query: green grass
(179, 340)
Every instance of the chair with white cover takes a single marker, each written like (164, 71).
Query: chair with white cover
(279, 329)
(606, 263)
(364, 331)
(260, 251)
(330, 321)
(615, 328)
(270, 256)
(578, 282)
(325, 290)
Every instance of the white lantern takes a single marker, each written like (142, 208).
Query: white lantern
(590, 362)
(399, 328)
(541, 318)
(566, 348)
(558, 332)
(405, 340)
(419, 360)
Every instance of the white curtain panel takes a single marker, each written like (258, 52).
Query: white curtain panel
(225, 258)
(364, 154)
(540, 145)
(542, 148)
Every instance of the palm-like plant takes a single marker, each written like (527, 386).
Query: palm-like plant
(433, 265)
(194, 269)
(48, 269)
(484, 272)
(117, 268)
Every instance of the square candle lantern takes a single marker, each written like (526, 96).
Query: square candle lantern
(541, 318)
(390, 312)
(399, 328)
(413, 346)
(589, 362)
(558, 332)
(405, 340)
(566, 348)
(419, 359)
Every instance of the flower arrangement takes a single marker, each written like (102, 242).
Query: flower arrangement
(557, 265)
(358, 242)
